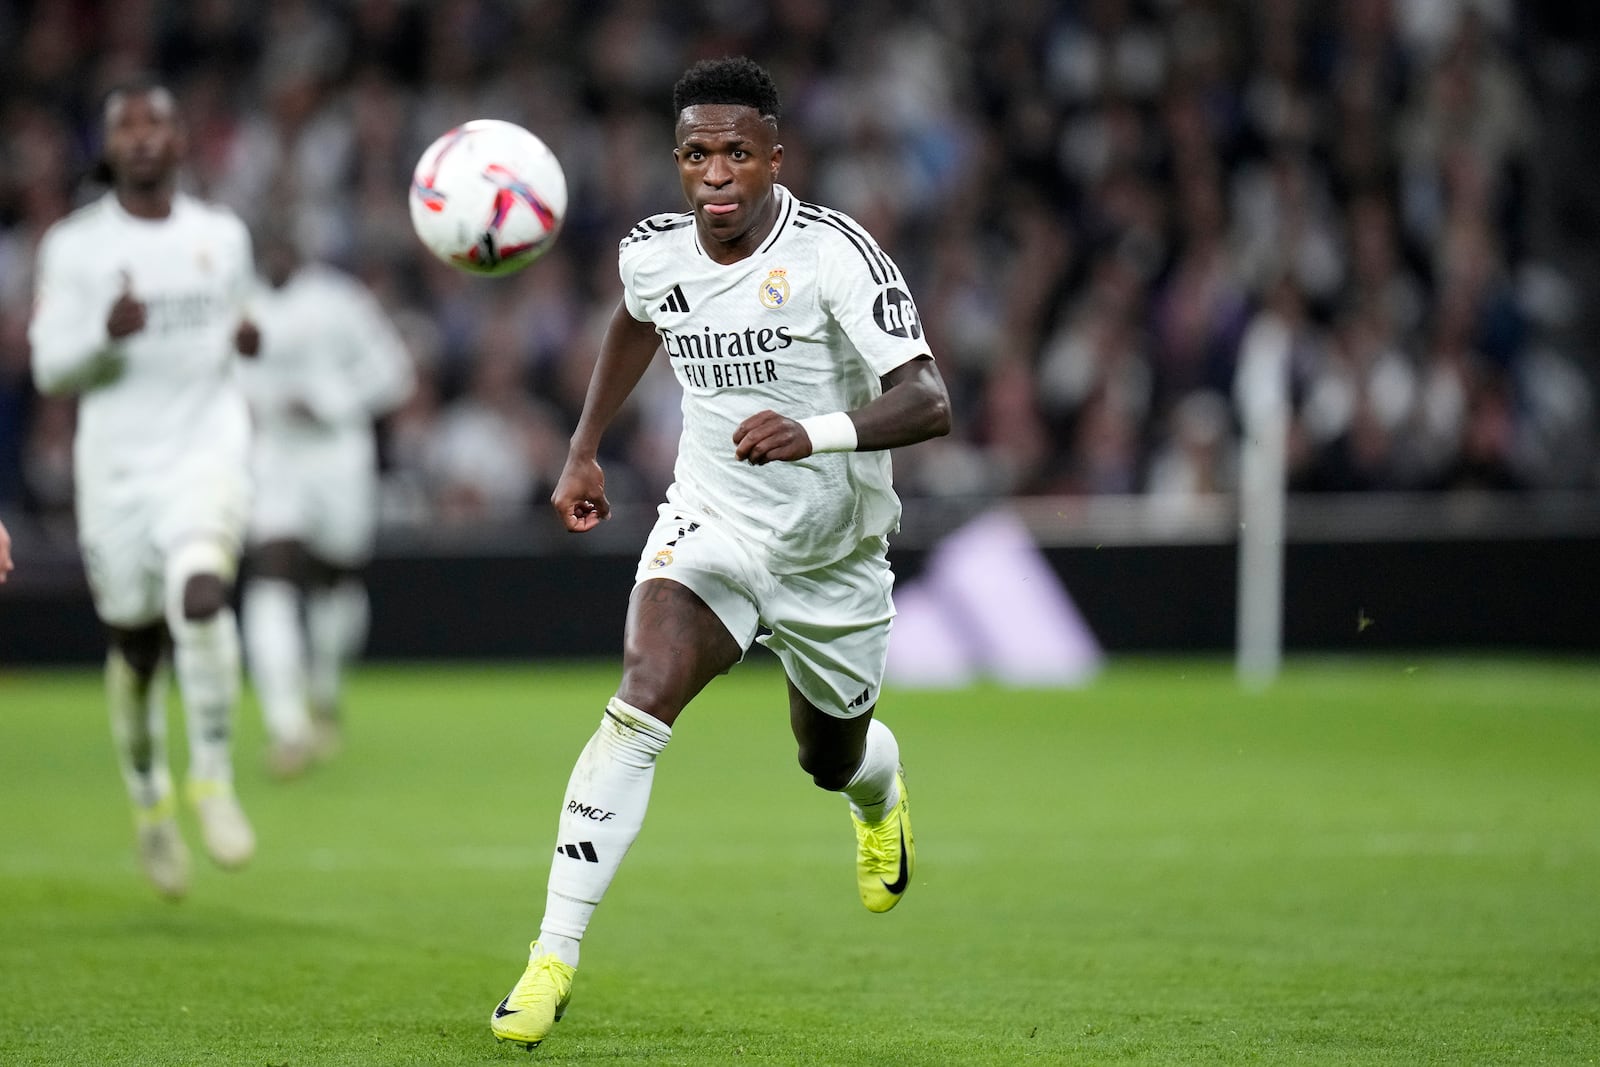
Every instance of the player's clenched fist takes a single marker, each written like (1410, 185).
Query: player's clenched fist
(580, 495)
(127, 314)
(247, 338)
(767, 436)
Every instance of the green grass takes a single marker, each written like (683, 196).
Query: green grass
(1387, 862)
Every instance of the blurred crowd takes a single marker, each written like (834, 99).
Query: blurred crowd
(1094, 202)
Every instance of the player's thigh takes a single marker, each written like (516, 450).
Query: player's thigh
(281, 559)
(343, 512)
(283, 504)
(207, 502)
(121, 558)
(674, 644)
(277, 512)
(691, 615)
(830, 629)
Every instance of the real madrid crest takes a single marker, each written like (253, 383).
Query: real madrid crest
(775, 290)
(661, 559)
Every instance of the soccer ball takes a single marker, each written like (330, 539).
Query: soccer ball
(488, 197)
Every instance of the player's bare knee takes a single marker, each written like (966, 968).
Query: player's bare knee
(204, 595)
(281, 559)
(198, 577)
(142, 648)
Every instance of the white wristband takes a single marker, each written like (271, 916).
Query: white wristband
(833, 432)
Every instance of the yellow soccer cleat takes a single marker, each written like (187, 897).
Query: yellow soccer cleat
(536, 1003)
(224, 828)
(327, 733)
(163, 856)
(288, 760)
(886, 855)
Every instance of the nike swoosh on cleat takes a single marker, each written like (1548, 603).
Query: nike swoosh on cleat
(501, 1011)
(899, 884)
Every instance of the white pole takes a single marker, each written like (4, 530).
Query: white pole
(1261, 391)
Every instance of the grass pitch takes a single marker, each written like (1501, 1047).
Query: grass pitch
(1389, 862)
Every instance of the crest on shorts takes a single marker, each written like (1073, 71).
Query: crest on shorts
(661, 559)
(775, 289)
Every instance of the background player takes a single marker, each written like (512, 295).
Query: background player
(5, 552)
(330, 363)
(802, 360)
(139, 309)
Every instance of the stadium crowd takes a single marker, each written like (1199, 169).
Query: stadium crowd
(1094, 202)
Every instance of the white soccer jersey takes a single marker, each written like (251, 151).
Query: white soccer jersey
(327, 345)
(328, 348)
(169, 392)
(805, 325)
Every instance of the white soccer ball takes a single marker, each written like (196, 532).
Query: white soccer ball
(488, 197)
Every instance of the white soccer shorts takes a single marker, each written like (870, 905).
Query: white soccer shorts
(829, 627)
(326, 499)
(128, 528)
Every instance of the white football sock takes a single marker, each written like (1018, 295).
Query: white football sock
(206, 655)
(600, 816)
(138, 708)
(275, 642)
(874, 790)
(336, 625)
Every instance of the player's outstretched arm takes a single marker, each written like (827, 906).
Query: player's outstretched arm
(914, 406)
(629, 345)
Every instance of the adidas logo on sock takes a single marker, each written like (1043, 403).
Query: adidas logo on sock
(675, 301)
(583, 850)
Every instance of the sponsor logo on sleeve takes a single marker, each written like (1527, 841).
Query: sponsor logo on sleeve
(895, 314)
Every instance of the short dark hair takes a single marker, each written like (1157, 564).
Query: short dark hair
(729, 80)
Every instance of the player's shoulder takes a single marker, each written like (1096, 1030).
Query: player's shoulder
(80, 221)
(665, 232)
(209, 212)
(838, 236)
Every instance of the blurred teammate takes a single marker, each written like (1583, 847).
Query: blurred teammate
(801, 360)
(139, 309)
(330, 363)
(6, 565)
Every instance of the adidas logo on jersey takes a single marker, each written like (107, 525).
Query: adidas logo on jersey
(675, 301)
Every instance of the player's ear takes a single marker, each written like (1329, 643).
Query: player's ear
(777, 159)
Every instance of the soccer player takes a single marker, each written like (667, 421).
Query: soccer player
(139, 310)
(330, 364)
(6, 565)
(802, 361)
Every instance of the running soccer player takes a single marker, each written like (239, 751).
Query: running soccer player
(139, 309)
(330, 364)
(802, 361)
